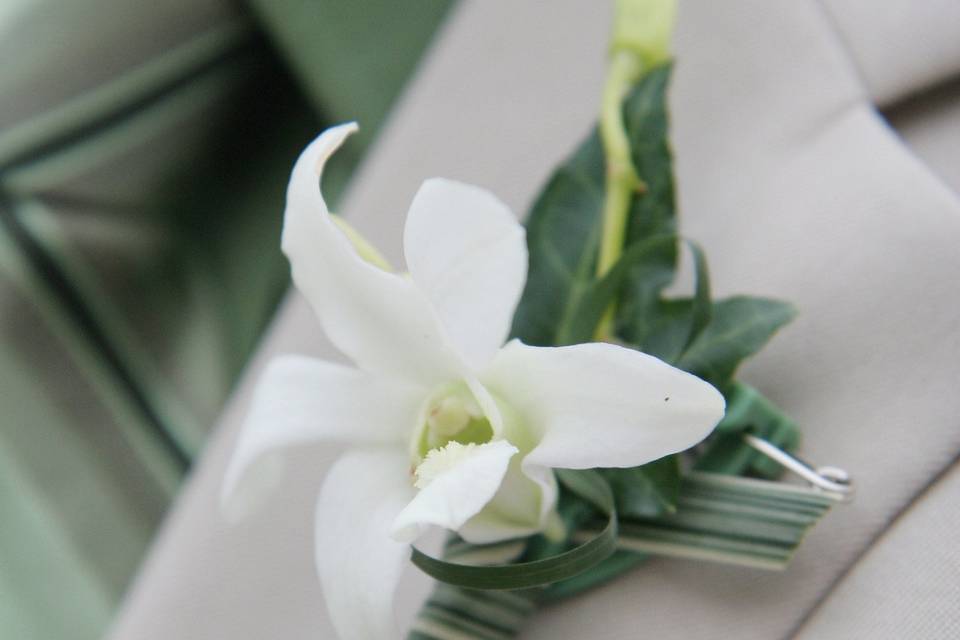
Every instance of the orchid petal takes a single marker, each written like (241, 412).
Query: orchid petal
(464, 478)
(520, 507)
(301, 400)
(468, 254)
(381, 320)
(358, 562)
(602, 405)
(488, 404)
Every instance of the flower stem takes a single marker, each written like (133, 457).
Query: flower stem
(621, 177)
(641, 39)
(621, 181)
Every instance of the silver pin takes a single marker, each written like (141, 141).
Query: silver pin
(831, 480)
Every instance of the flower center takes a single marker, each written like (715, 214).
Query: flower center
(451, 414)
(448, 417)
(439, 461)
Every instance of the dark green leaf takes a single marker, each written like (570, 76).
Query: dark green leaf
(643, 491)
(522, 575)
(562, 233)
(574, 513)
(619, 563)
(701, 308)
(590, 486)
(646, 491)
(639, 309)
(595, 297)
(564, 225)
(740, 327)
(748, 410)
(653, 211)
(667, 328)
(646, 118)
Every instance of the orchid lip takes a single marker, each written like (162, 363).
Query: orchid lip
(451, 414)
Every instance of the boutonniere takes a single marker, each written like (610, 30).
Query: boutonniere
(534, 393)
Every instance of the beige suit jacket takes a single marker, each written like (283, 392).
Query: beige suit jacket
(799, 188)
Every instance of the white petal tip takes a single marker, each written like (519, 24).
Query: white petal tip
(715, 405)
(328, 142)
(407, 533)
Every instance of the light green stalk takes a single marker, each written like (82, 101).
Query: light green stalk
(622, 180)
(641, 39)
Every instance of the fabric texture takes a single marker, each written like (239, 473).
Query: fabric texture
(928, 123)
(907, 586)
(900, 49)
(142, 149)
(796, 188)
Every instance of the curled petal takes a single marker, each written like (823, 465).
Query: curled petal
(601, 405)
(460, 481)
(521, 507)
(468, 254)
(358, 562)
(379, 319)
(488, 404)
(301, 400)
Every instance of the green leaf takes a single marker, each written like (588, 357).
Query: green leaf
(594, 298)
(646, 491)
(574, 513)
(563, 228)
(646, 118)
(640, 310)
(740, 327)
(748, 410)
(562, 233)
(588, 485)
(642, 491)
(701, 307)
(616, 565)
(665, 328)
(741, 521)
(652, 212)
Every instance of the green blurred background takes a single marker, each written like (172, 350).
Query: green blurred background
(144, 153)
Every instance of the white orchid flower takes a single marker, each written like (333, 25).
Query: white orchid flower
(449, 426)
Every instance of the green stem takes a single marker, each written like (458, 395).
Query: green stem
(641, 39)
(622, 181)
